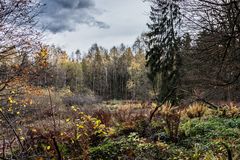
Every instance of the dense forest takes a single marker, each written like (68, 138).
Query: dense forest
(116, 74)
(173, 94)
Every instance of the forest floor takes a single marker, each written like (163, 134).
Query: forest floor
(52, 129)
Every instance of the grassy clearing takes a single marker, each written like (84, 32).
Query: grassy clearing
(121, 130)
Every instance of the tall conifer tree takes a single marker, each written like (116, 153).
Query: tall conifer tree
(163, 57)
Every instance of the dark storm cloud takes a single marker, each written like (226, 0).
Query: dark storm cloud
(64, 15)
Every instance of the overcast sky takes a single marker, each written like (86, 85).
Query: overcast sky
(77, 24)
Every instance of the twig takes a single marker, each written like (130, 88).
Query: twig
(208, 103)
(52, 108)
(59, 157)
(3, 149)
(14, 131)
(164, 100)
(229, 151)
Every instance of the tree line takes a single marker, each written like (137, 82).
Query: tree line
(190, 49)
(119, 73)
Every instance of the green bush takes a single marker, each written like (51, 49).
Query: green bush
(108, 150)
(212, 128)
(127, 147)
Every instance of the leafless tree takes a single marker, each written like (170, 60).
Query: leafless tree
(214, 26)
(18, 38)
(220, 21)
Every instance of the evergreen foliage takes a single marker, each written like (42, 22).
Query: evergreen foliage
(163, 54)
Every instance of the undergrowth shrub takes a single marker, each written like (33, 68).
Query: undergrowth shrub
(131, 118)
(73, 137)
(196, 110)
(128, 114)
(86, 130)
(128, 147)
(104, 115)
(230, 111)
(212, 128)
(171, 116)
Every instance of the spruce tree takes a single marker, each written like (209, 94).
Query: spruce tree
(163, 57)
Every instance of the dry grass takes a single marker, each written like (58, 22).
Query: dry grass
(172, 117)
(35, 125)
(230, 110)
(196, 110)
(130, 113)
